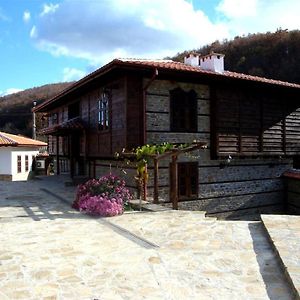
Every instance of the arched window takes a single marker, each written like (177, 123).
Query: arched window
(183, 110)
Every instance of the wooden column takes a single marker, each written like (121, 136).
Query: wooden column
(155, 195)
(72, 170)
(57, 155)
(174, 176)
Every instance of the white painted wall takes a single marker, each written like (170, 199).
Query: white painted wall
(5, 161)
(213, 62)
(9, 161)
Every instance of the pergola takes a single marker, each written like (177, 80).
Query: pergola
(173, 153)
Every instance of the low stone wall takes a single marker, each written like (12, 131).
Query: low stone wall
(292, 179)
(4, 177)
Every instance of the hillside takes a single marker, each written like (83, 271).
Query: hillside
(272, 55)
(15, 109)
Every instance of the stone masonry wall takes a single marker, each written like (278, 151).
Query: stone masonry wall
(245, 186)
(292, 179)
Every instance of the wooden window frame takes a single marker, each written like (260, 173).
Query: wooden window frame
(103, 112)
(26, 163)
(183, 111)
(19, 163)
(186, 180)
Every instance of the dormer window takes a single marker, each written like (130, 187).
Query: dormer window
(103, 111)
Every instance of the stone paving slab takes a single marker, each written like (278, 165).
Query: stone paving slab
(284, 233)
(53, 252)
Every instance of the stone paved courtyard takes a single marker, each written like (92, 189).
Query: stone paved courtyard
(50, 251)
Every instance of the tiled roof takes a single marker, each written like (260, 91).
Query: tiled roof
(70, 125)
(162, 65)
(178, 66)
(7, 139)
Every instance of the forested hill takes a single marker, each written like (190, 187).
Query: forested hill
(15, 109)
(272, 55)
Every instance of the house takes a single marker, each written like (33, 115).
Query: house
(17, 154)
(251, 126)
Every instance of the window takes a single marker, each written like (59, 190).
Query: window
(53, 119)
(19, 163)
(74, 110)
(187, 180)
(26, 163)
(296, 162)
(183, 110)
(103, 112)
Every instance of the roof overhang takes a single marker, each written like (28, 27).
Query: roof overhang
(165, 69)
(65, 128)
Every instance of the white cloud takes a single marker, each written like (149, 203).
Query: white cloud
(70, 74)
(252, 16)
(151, 29)
(130, 28)
(33, 32)
(49, 8)
(26, 16)
(9, 92)
(238, 8)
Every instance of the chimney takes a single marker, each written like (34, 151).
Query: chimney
(213, 62)
(192, 59)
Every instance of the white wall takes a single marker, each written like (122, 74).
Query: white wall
(15, 151)
(5, 161)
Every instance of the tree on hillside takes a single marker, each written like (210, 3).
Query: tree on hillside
(273, 55)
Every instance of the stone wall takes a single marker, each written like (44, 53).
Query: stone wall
(292, 179)
(4, 177)
(245, 186)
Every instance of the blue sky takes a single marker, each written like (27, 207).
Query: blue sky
(62, 40)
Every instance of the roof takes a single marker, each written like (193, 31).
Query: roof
(75, 124)
(162, 65)
(7, 139)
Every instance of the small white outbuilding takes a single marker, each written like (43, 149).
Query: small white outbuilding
(17, 154)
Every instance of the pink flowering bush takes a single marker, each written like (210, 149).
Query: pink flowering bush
(104, 197)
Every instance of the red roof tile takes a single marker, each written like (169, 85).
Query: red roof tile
(142, 64)
(70, 125)
(7, 139)
(172, 65)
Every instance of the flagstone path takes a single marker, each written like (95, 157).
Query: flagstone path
(50, 251)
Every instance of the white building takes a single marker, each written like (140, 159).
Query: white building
(17, 154)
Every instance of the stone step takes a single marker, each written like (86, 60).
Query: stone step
(283, 232)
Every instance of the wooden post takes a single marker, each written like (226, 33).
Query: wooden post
(72, 171)
(155, 195)
(145, 183)
(57, 155)
(174, 170)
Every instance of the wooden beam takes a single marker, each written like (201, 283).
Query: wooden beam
(174, 176)
(155, 196)
(57, 155)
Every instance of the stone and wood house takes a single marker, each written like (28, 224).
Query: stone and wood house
(251, 126)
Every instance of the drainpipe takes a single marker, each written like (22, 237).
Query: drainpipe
(155, 74)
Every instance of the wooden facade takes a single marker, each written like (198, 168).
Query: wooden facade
(251, 128)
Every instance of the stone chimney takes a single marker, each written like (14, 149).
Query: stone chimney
(211, 62)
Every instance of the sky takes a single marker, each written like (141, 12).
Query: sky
(53, 41)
